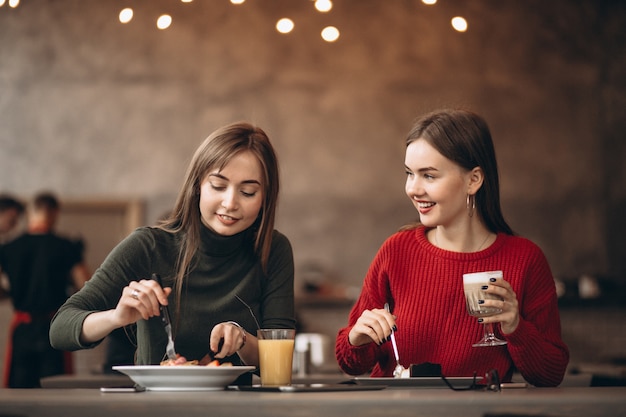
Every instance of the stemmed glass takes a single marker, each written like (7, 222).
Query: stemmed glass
(472, 284)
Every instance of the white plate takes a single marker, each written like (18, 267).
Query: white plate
(183, 378)
(414, 382)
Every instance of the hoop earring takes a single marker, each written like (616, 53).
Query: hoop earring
(471, 207)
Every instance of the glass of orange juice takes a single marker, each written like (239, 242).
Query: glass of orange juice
(276, 356)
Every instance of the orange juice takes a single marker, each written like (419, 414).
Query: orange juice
(275, 361)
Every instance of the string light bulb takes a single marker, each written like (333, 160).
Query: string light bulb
(164, 21)
(323, 5)
(285, 25)
(459, 24)
(330, 34)
(126, 15)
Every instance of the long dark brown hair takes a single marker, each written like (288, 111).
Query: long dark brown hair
(464, 138)
(214, 153)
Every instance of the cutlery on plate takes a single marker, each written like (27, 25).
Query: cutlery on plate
(167, 324)
(397, 372)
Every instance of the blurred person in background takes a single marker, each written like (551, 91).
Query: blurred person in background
(41, 267)
(11, 212)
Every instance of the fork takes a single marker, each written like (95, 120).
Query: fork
(169, 349)
(167, 324)
(397, 372)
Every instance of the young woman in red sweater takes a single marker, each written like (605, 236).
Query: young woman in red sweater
(452, 180)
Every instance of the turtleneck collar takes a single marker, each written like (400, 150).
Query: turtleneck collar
(214, 244)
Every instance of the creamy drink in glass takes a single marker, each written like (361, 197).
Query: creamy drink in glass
(276, 356)
(472, 286)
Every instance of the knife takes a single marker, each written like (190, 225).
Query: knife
(167, 324)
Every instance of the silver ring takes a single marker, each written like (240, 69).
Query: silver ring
(135, 294)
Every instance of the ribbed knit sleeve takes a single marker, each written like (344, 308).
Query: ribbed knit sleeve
(357, 360)
(536, 346)
(424, 286)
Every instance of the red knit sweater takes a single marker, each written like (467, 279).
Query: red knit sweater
(424, 287)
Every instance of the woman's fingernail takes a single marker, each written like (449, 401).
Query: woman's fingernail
(484, 287)
(389, 338)
(481, 301)
(492, 280)
(395, 328)
(480, 320)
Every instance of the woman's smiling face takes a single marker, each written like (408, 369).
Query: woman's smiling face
(437, 186)
(231, 199)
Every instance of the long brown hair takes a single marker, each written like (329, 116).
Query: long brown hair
(464, 138)
(214, 153)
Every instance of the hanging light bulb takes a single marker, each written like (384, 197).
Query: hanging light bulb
(323, 5)
(459, 24)
(126, 15)
(285, 25)
(330, 34)
(164, 21)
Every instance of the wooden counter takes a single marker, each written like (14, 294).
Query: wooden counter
(397, 402)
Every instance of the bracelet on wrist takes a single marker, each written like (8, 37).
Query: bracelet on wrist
(243, 333)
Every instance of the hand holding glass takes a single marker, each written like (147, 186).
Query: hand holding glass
(472, 286)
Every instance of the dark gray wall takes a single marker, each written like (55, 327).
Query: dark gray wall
(92, 108)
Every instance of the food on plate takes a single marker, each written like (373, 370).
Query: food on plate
(179, 361)
(182, 361)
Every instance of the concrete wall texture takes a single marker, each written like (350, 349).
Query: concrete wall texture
(91, 108)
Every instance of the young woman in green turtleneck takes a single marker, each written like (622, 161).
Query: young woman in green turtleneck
(225, 270)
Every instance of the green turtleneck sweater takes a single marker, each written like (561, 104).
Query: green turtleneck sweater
(227, 273)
